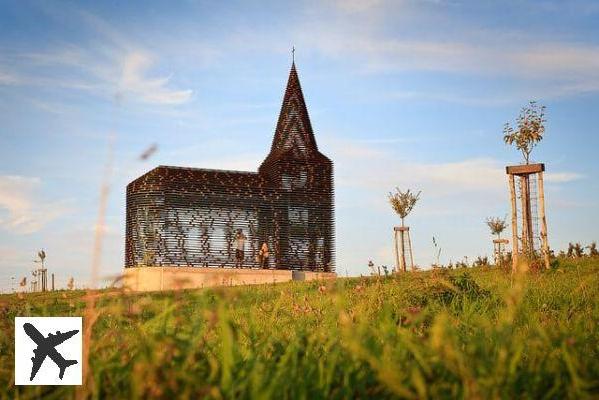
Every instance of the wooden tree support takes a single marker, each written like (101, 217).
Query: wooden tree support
(523, 230)
(499, 249)
(401, 237)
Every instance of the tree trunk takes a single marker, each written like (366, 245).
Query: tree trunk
(403, 250)
(515, 250)
(544, 241)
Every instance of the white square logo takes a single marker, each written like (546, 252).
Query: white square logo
(48, 350)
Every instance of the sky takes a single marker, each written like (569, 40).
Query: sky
(402, 93)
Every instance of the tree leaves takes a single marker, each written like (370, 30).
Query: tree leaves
(529, 131)
(403, 202)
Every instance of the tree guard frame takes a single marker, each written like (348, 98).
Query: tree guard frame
(499, 249)
(402, 244)
(532, 207)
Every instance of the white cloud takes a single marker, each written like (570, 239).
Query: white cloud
(549, 67)
(458, 98)
(110, 66)
(21, 210)
(374, 169)
(376, 36)
(151, 90)
(357, 5)
(113, 71)
(7, 78)
(352, 149)
(569, 67)
(562, 177)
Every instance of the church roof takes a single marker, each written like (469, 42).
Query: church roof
(165, 177)
(294, 137)
(294, 127)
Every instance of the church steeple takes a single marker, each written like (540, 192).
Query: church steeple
(294, 130)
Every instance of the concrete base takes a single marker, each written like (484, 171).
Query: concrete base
(141, 279)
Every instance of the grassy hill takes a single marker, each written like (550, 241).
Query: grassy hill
(476, 333)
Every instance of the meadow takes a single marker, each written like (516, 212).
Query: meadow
(476, 333)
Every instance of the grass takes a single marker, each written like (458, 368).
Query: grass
(477, 333)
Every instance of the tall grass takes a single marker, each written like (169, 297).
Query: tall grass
(479, 333)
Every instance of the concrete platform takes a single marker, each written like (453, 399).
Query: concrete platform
(141, 279)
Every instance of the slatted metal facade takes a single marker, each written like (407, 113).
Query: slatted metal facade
(189, 216)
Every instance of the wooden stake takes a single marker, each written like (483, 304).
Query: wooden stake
(496, 254)
(531, 242)
(525, 215)
(411, 255)
(402, 258)
(397, 266)
(515, 250)
(544, 241)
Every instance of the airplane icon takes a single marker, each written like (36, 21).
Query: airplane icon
(46, 347)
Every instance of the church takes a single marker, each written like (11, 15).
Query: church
(191, 217)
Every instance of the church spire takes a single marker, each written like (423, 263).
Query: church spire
(294, 130)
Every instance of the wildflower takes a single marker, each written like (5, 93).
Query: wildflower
(414, 310)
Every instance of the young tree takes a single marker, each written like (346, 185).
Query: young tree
(403, 202)
(497, 225)
(578, 250)
(371, 267)
(529, 130)
(41, 255)
(481, 261)
(437, 252)
(570, 253)
(593, 252)
(385, 270)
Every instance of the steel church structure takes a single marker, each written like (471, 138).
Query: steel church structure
(189, 216)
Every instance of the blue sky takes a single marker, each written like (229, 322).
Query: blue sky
(400, 93)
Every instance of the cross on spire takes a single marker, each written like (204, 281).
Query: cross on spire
(293, 54)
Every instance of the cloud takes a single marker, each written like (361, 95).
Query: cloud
(457, 98)
(382, 37)
(7, 78)
(151, 90)
(569, 67)
(352, 149)
(373, 169)
(110, 65)
(21, 210)
(114, 71)
(353, 6)
(562, 177)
